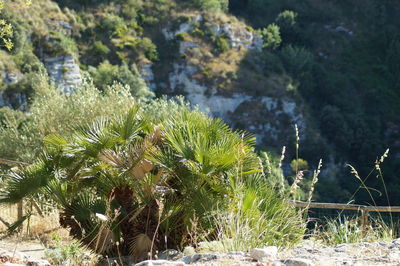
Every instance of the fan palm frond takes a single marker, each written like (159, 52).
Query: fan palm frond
(140, 246)
(103, 241)
(129, 127)
(28, 182)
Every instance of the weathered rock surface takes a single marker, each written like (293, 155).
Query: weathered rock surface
(307, 254)
(269, 118)
(264, 254)
(19, 258)
(381, 253)
(159, 263)
(64, 71)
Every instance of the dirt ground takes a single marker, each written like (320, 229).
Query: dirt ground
(33, 248)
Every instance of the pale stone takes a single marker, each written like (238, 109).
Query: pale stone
(189, 250)
(169, 254)
(159, 263)
(64, 71)
(298, 262)
(199, 258)
(34, 262)
(264, 254)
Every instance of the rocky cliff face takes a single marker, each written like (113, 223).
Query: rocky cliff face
(64, 71)
(215, 64)
(211, 79)
(13, 100)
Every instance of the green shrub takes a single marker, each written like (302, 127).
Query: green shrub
(297, 60)
(271, 36)
(111, 23)
(132, 8)
(100, 49)
(6, 33)
(104, 75)
(149, 48)
(221, 43)
(212, 5)
(286, 18)
(27, 130)
(69, 253)
(299, 165)
(59, 44)
(107, 74)
(197, 33)
(260, 217)
(182, 36)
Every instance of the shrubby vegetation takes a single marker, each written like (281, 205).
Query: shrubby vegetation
(148, 179)
(27, 130)
(212, 5)
(346, 74)
(107, 74)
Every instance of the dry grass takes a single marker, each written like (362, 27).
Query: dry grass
(36, 227)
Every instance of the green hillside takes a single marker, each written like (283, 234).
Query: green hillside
(330, 67)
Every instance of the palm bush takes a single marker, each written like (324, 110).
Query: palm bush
(130, 185)
(152, 179)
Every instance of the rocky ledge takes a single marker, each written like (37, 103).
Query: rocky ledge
(307, 254)
(16, 258)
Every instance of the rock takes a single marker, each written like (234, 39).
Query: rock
(199, 258)
(239, 36)
(264, 254)
(341, 247)
(184, 45)
(34, 262)
(11, 77)
(159, 263)
(297, 262)
(396, 241)
(64, 71)
(169, 254)
(189, 250)
(147, 74)
(124, 260)
(18, 258)
(13, 257)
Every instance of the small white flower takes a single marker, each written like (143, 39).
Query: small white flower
(101, 217)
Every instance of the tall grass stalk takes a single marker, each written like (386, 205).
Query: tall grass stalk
(297, 147)
(295, 186)
(256, 226)
(282, 181)
(380, 175)
(349, 230)
(314, 181)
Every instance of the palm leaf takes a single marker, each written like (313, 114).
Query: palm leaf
(28, 182)
(17, 224)
(139, 246)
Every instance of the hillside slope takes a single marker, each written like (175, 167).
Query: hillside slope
(263, 66)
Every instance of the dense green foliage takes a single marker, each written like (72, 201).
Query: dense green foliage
(27, 130)
(152, 179)
(341, 57)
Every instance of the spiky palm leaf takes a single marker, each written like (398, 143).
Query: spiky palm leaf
(23, 184)
(151, 181)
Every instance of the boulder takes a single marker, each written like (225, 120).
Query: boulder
(159, 263)
(264, 254)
